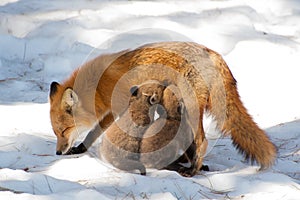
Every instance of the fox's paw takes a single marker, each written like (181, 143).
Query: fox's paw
(191, 171)
(77, 150)
(187, 172)
(204, 168)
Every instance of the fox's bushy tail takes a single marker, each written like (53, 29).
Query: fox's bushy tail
(232, 118)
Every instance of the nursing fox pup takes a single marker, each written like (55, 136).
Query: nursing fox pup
(121, 143)
(137, 141)
(97, 93)
(169, 135)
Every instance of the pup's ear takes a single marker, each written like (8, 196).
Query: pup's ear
(53, 89)
(134, 90)
(69, 100)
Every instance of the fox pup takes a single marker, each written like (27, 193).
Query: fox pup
(168, 135)
(85, 101)
(121, 142)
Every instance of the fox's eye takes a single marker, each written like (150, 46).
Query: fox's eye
(152, 99)
(149, 99)
(64, 131)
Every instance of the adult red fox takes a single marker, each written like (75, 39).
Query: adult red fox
(96, 93)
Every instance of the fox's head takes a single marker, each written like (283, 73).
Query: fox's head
(68, 117)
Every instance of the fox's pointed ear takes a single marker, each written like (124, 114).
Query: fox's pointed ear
(53, 89)
(69, 100)
(134, 90)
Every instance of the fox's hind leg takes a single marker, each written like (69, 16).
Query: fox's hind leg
(200, 148)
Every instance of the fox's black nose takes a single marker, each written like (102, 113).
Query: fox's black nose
(58, 152)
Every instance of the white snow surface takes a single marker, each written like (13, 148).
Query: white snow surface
(43, 41)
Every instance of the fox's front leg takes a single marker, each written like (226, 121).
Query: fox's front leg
(93, 135)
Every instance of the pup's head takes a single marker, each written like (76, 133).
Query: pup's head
(143, 100)
(68, 117)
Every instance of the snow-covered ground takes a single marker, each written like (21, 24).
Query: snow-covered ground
(42, 41)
